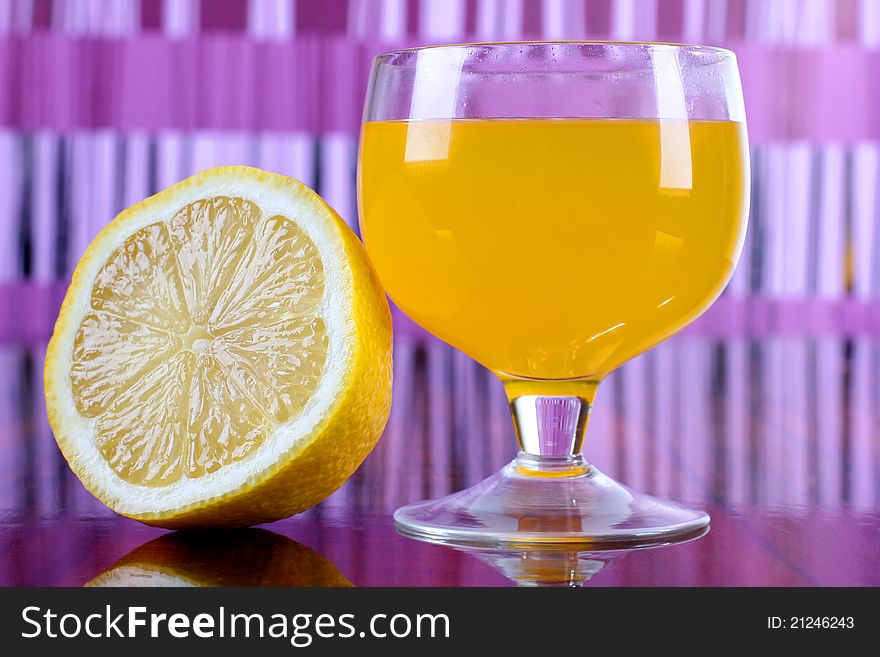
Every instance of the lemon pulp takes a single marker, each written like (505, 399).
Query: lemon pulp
(204, 334)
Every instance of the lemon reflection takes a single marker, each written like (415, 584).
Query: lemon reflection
(241, 557)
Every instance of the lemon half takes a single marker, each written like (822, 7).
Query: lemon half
(222, 356)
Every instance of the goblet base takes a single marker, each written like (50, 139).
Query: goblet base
(518, 507)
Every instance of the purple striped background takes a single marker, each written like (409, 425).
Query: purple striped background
(315, 84)
(104, 101)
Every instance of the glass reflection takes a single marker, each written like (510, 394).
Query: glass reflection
(547, 567)
(556, 566)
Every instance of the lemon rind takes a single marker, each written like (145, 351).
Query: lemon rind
(231, 497)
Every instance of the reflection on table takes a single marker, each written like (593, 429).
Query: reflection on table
(775, 433)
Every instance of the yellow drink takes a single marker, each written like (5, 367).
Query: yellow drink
(553, 248)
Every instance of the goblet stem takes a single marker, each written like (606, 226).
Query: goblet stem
(549, 496)
(550, 418)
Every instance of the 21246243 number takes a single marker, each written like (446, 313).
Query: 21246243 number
(811, 623)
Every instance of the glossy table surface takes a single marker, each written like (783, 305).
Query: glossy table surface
(775, 433)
